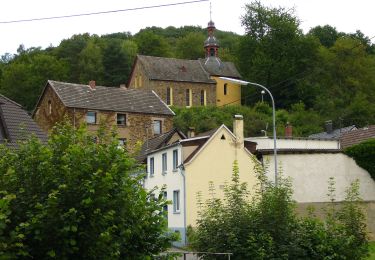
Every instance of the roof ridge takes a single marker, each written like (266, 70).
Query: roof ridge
(12, 101)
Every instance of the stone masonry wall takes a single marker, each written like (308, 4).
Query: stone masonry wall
(139, 80)
(137, 129)
(45, 117)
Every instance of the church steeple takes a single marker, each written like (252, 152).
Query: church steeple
(211, 45)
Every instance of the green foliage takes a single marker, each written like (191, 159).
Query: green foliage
(267, 227)
(364, 154)
(76, 199)
(24, 77)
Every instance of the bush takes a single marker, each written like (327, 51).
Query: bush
(76, 199)
(364, 155)
(267, 227)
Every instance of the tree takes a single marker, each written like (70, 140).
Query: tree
(90, 63)
(150, 43)
(275, 53)
(24, 77)
(363, 154)
(77, 199)
(191, 46)
(326, 34)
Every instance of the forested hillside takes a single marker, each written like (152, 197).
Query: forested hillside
(324, 74)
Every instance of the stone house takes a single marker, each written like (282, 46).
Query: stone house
(187, 83)
(16, 125)
(137, 114)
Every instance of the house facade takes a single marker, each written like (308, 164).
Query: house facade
(310, 163)
(187, 83)
(196, 165)
(137, 114)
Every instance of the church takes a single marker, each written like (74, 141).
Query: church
(189, 83)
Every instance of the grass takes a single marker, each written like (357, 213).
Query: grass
(371, 251)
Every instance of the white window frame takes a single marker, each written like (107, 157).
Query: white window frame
(151, 167)
(160, 130)
(95, 117)
(176, 201)
(175, 160)
(164, 163)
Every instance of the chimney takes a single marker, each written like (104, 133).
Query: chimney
(238, 129)
(191, 132)
(92, 84)
(288, 130)
(122, 86)
(329, 126)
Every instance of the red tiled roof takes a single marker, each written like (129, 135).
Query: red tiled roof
(357, 136)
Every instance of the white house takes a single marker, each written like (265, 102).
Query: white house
(188, 167)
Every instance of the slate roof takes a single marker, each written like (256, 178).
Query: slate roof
(215, 67)
(171, 69)
(357, 136)
(335, 134)
(110, 98)
(16, 124)
(157, 142)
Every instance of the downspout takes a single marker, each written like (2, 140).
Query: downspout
(184, 185)
(182, 171)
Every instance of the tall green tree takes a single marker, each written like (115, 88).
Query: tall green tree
(90, 63)
(150, 43)
(190, 46)
(77, 199)
(24, 77)
(275, 53)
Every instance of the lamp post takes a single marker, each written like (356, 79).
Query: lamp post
(242, 82)
(262, 92)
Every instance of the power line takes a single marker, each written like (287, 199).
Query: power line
(101, 12)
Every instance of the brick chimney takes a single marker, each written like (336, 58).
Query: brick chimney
(92, 84)
(191, 132)
(288, 130)
(238, 129)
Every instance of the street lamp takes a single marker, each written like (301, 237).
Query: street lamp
(242, 82)
(262, 92)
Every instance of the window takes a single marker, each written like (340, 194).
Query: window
(176, 201)
(188, 97)
(169, 96)
(225, 88)
(175, 160)
(152, 166)
(157, 127)
(49, 107)
(212, 52)
(165, 207)
(121, 142)
(203, 97)
(121, 119)
(164, 163)
(91, 117)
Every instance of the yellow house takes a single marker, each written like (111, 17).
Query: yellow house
(190, 166)
(187, 83)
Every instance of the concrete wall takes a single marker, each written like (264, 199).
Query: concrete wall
(310, 174)
(233, 95)
(214, 164)
(294, 143)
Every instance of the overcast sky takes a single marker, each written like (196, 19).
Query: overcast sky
(345, 15)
